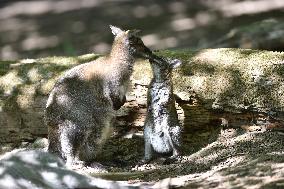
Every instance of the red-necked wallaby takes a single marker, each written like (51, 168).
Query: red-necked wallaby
(162, 131)
(80, 108)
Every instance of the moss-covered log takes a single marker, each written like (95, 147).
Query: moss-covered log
(233, 87)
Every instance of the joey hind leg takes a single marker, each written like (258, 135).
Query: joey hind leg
(148, 148)
(175, 142)
(175, 154)
(175, 133)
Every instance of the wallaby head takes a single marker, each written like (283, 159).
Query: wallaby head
(129, 41)
(162, 67)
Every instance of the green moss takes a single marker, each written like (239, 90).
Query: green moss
(22, 80)
(227, 77)
(231, 78)
(4, 66)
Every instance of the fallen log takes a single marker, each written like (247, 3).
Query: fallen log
(231, 87)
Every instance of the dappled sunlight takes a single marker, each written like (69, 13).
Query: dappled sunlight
(101, 47)
(204, 18)
(70, 181)
(220, 83)
(241, 74)
(70, 27)
(154, 41)
(256, 72)
(67, 61)
(14, 24)
(34, 75)
(251, 7)
(8, 181)
(51, 177)
(26, 96)
(47, 86)
(7, 53)
(213, 157)
(245, 138)
(177, 7)
(34, 41)
(78, 27)
(9, 81)
(216, 55)
(150, 39)
(24, 61)
(183, 24)
(31, 169)
(198, 82)
(140, 11)
(152, 10)
(33, 8)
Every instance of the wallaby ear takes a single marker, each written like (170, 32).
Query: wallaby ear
(133, 32)
(175, 63)
(115, 30)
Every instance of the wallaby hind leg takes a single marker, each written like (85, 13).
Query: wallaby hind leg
(69, 142)
(96, 136)
(54, 146)
(148, 151)
(87, 149)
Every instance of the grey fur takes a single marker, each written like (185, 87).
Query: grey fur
(80, 108)
(162, 131)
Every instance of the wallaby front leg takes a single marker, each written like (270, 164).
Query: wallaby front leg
(119, 102)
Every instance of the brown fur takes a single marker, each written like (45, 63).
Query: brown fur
(80, 109)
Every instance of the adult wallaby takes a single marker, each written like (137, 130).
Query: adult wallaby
(80, 109)
(162, 131)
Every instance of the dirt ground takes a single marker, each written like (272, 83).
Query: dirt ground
(233, 158)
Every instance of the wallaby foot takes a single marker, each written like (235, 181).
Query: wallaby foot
(144, 161)
(75, 164)
(176, 156)
(97, 166)
(171, 159)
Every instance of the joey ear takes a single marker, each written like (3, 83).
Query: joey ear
(175, 63)
(115, 30)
